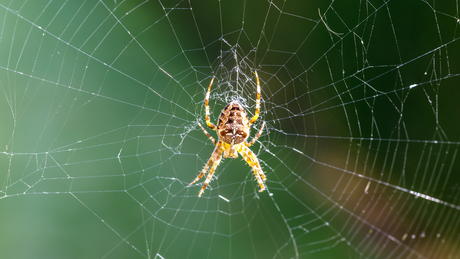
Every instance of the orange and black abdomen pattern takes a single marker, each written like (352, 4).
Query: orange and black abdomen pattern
(233, 124)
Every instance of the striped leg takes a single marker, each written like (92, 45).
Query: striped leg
(209, 135)
(205, 169)
(256, 137)
(211, 172)
(214, 161)
(252, 160)
(256, 114)
(206, 103)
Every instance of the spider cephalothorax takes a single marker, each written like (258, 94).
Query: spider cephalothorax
(232, 129)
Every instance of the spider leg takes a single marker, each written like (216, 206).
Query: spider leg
(205, 169)
(214, 161)
(256, 114)
(211, 172)
(209, 135)
(256, 137)
(206, 102)
(252, 160)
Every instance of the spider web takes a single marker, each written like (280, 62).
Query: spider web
(99, 109)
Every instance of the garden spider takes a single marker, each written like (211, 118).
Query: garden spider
(232, 130)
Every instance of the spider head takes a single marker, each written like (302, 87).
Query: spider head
(233, 125)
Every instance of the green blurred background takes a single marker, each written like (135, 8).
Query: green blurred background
(98, 108)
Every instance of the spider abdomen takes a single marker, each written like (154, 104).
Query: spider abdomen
(233, 124)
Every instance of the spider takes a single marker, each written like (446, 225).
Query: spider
(232, 130)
